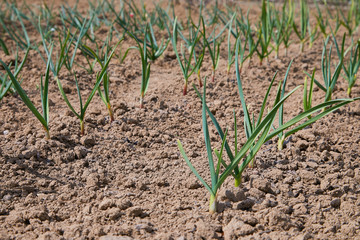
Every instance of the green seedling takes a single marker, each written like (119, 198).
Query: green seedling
(288, 28)
(277, 35)
(6, 83)
(44, 89)
(351, 66)
(322, 22)
(307, 99)
(349, 21)
(250, 125)
(198, 60)
(251, 147)
(155, 50)
(83, 108)
(252, 45)
(326, 107)
(266, 26)
(214, 49)
(281, 109)
(231, 49)
(104, 93)
(45, 13)
(145, 66)
(328, 78)
(313, 34)
(3, 47)
(185, 66)
(304, 23)
(18, 35)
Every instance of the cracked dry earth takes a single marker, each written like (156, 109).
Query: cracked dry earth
(127, 180)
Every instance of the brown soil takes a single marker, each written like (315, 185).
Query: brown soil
(127, 178)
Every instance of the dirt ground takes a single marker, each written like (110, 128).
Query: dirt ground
(127, 179)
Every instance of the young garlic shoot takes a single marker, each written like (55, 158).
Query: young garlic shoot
(241, 52)
(287, 29)
(307, 99)
(20, 37)
(155, 50)
(44, 89)
(281, 110)
(313, 34)
(277, 34)
(351, 67)
(214, 49)
(326, 65)
(4, 47)
(77, 42)
(6, 83)
(326, 107)
(83, 107)
(194, 31)
(304, 22)
(252, 46)
(266, 27)
(250, 125)
(348, 21)
(322, 22)
(104, 94)
(145, 64)
(185, 66)
(231, 50)
(251, 147)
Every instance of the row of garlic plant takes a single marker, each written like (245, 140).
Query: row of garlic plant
(274, 29)
(273, 25)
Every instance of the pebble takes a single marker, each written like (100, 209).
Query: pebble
(235, 197)
(246, 204)
(106, 203)
(88, 141)
(263, 185)
(136, 212)
(335, 203)
(237, 228)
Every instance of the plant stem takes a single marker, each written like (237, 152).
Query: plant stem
(47, 133)
(185, 89)
(252, 163)
(281, 143)
(82, 128)
(237, 180)
(213, 203)
(141, 102)
(302, 47)
(111, 114)
(213, 75)
(199, 78)
(349, 92)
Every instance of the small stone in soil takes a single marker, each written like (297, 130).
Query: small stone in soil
(136, 212)
(193, 185)
(88, 141)
(335, 203)
(246, 204)
(106, 203)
